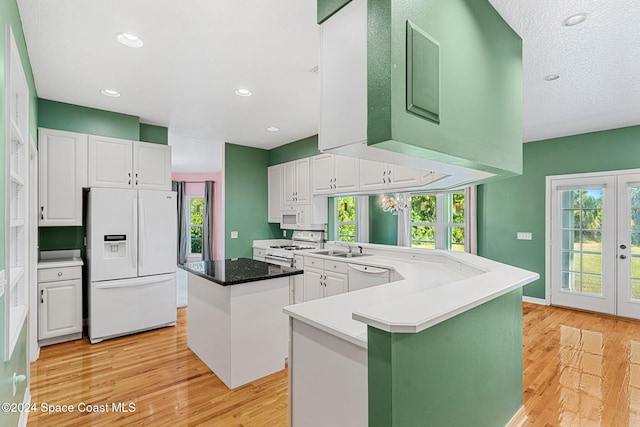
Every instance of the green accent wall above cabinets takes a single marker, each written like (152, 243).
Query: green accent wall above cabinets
(465, 371)
(479, 85)
(326, 8)
(155, 134)
(300, 149)
(245, 199)
(74, 118)
(383, 226)
(518, 203)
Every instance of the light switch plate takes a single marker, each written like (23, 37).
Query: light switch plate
(284, 233)
(234, 234)
(524, 235)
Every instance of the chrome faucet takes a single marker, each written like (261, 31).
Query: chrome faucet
(345, 244)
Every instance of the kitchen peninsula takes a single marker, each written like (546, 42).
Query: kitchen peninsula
(235, 320)
(441, 346)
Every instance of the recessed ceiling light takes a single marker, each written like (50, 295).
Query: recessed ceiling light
(110, 92)
(551, 77)
(273, 129)
(129, 40)
(243, 92)
(574, 19)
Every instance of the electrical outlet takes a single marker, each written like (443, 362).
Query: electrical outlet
(234, 234)
(284, 233)
(524, 235)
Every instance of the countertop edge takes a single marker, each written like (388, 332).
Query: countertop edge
(239, 282)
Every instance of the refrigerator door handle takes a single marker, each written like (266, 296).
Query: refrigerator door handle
(134, 232)
(141, 227)
(146, 281)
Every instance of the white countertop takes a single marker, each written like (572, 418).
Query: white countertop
(59, 259)
(435, 286)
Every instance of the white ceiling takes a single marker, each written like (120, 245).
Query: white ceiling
(197, 52)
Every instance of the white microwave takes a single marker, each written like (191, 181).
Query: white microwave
(301, 217)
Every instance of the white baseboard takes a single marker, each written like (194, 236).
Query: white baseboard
(22, 422)
(519, 419)
(533, 300)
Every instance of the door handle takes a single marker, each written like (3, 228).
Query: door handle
(623, 246)
(623, 257)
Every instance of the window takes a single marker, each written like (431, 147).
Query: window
(438, 221)
(346, 219)
(351, 219)
(196, 213)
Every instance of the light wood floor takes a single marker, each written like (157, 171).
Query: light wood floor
(580, 369)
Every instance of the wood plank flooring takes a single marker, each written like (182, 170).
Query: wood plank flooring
(580, 369)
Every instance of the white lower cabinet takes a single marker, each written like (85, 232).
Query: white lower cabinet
(298, 280)
(323, 278)
(59, 304)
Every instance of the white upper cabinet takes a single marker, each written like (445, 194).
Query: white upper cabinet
(62, 174)
(380, 176)
(274, 184)
(120, 163)
(334, 174)
(403, 176)
(110, 162)
(296, 188)
(151, 166)
(373, 175)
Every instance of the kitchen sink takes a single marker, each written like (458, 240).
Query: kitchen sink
(342, 254)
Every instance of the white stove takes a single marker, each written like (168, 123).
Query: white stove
(300, 241)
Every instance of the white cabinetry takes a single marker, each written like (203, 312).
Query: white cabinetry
(275, 182)
(381, 176)
(296, 188)
(60, 304)
(298, 280)
(323, 278)
(334, 174)
(259, 254)
(119, 163)
(62, 174)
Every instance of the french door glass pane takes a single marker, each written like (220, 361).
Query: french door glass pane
(635, 288)
(581, 234)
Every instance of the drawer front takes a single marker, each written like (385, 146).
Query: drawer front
(313, 262)
(58, 274)
(335, 266)
(258, 252)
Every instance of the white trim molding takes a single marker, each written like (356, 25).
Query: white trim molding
(532, 300)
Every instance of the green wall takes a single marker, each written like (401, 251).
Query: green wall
(465, 371)
(156, 134)
(383, 226)
(245, 204)
(18, 363)
(518, 204)
(74, 118)
(480, 84)
(300, 149)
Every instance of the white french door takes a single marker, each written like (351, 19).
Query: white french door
(594, 242)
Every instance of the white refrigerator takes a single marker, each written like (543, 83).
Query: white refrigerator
(131, 253)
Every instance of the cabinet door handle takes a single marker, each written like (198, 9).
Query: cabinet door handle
(60, 274)
(136, 182)
(41, 212)
(41, 296)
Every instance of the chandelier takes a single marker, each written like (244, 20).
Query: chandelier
(394, 204)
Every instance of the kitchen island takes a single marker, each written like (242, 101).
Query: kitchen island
(441, 346)
(235, 323)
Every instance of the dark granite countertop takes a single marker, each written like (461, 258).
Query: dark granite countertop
(237, 270)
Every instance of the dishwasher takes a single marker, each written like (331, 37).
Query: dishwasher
(365, 276)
